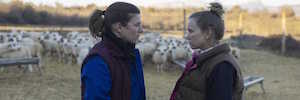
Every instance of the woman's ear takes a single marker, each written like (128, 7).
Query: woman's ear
(117, 29)
(210, 33)
(211, 36)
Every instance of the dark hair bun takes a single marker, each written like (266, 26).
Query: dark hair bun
(217, 9)
(100, 12)
(96, 23)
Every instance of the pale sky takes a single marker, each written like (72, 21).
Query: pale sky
(160, 2)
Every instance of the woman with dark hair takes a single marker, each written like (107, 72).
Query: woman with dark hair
(112, 70)
(213, 73)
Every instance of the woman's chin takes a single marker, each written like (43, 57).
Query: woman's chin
(134, 41)
(196, 47)
(193, 47)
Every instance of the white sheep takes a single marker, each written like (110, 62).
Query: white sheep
(146, 49)
(68, 48)
(72, 35)
(160, 57)
(82, 54)
(150, 37)
(33, 35)
(161, 41)
(2, 38)
(179, 53)
(35, 48)
(51, 46)
(17, 51)
(235, 52)
(4, 47)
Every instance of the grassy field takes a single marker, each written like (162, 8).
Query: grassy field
(62, 82)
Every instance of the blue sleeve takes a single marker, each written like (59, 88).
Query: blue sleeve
(221, 82)
(140, 75)
(96, 77)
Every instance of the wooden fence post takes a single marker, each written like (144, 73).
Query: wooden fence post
(283, 41)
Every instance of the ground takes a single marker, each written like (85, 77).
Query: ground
(62, 82)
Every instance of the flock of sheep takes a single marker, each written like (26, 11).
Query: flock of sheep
(167, 51)
(163, 51)
(72, 47)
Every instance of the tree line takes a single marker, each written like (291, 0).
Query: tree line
(27, 15)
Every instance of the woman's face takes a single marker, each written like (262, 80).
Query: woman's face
(132, 30)
(195, 36)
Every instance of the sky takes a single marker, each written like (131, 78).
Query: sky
(272, 3)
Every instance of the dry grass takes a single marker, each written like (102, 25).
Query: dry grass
(62, 82)
(58, 82)
(281, 75)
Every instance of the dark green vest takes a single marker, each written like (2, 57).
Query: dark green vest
(193, 86)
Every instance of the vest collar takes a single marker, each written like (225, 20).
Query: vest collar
(210, 52)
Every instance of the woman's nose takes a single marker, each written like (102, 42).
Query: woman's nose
(186, 36)
(141, 30)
